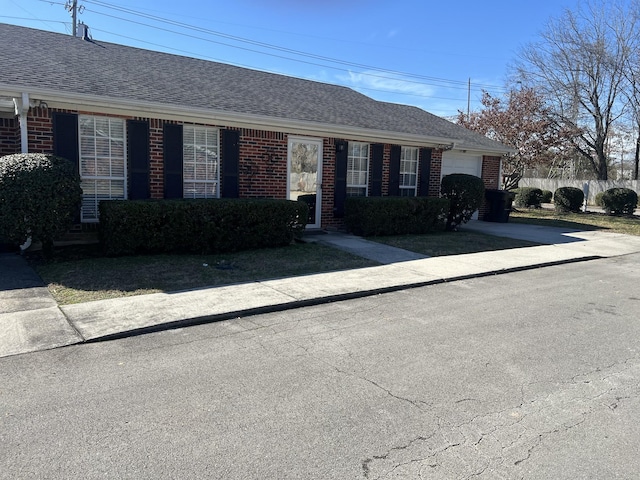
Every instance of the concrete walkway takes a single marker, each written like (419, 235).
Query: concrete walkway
(32, 321)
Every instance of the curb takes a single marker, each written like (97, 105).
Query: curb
(281, 307)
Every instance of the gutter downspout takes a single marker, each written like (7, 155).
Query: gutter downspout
(22, 110)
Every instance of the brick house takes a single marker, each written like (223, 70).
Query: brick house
(143, 124)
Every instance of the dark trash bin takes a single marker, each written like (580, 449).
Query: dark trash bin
(498, 205)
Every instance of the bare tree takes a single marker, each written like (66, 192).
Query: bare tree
(521, 120)
(632, 95)
(579, 66)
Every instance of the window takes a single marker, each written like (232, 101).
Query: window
(102, 162)
(200, 168)
(408, 172)
(357, 169)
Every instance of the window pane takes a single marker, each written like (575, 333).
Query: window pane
(87, 166)
(117, 149)
(200, 166)
(117, 189)
(102, 155)
(101, 126)
(103, 167)
(201, 171)
(117, 167)
(356, 191)
(200, 136)
(357, 167)
(116, 128)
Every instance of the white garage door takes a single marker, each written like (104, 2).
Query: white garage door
(457, 162)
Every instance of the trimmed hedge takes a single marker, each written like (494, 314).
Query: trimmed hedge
(568, 199)
(371, 216)
(528, 197)
(465, 193)
(39, 197)
(619, 201)
(547, 195)
(198, 226)
(598, 198)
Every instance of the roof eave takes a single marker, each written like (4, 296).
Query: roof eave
(140, 108)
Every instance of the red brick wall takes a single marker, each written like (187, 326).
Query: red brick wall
(263, 164)
(491, 172)
(436, 171)
(490, 177)
(156, 158)
(386, 161)
(9, 136)
(328, 184)
(40, 126)
(262, 160)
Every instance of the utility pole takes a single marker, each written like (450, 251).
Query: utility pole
(469, 100)
(72, 7)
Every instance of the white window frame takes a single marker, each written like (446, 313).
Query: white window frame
(86, 156)
(406, 160)
(210, 149)
(351, 172)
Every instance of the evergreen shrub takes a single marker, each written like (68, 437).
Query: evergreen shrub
(619, 201)
(568, 199)
(40, 196)
(528, 197)
(465, 193)
(198, 226)
(378, 216)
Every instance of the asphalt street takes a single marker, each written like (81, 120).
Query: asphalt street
(526, 375)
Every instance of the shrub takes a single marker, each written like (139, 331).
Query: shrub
(369, 216)
(547, 195)
(598, 198)
(40, 195)
(465, 194)
(198, 226)
(568, 199)
(528, 197)
(619, 201)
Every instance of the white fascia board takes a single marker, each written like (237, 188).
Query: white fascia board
(139, 108)
(498, 151)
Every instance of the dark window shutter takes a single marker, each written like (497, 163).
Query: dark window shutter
(394, 171)
(65, 137)
(230, 163)
(377, 152)
(173, 187)
(340, 187)
(138, 153)
(424, 170)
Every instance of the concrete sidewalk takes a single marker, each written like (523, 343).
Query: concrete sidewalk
(32, 321)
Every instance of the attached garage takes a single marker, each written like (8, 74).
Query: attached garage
(458, 162)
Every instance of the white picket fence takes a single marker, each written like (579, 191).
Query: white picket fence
(594, 186)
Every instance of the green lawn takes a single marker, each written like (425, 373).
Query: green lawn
(586, 220)
(81, 274)
(452, 243)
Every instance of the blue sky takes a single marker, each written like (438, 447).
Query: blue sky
(416, 52)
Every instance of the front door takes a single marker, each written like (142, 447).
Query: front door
(305, 175)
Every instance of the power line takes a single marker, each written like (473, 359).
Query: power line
(394, 92)
(435, 81)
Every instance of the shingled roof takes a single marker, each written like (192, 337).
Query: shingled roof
(40, 63)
